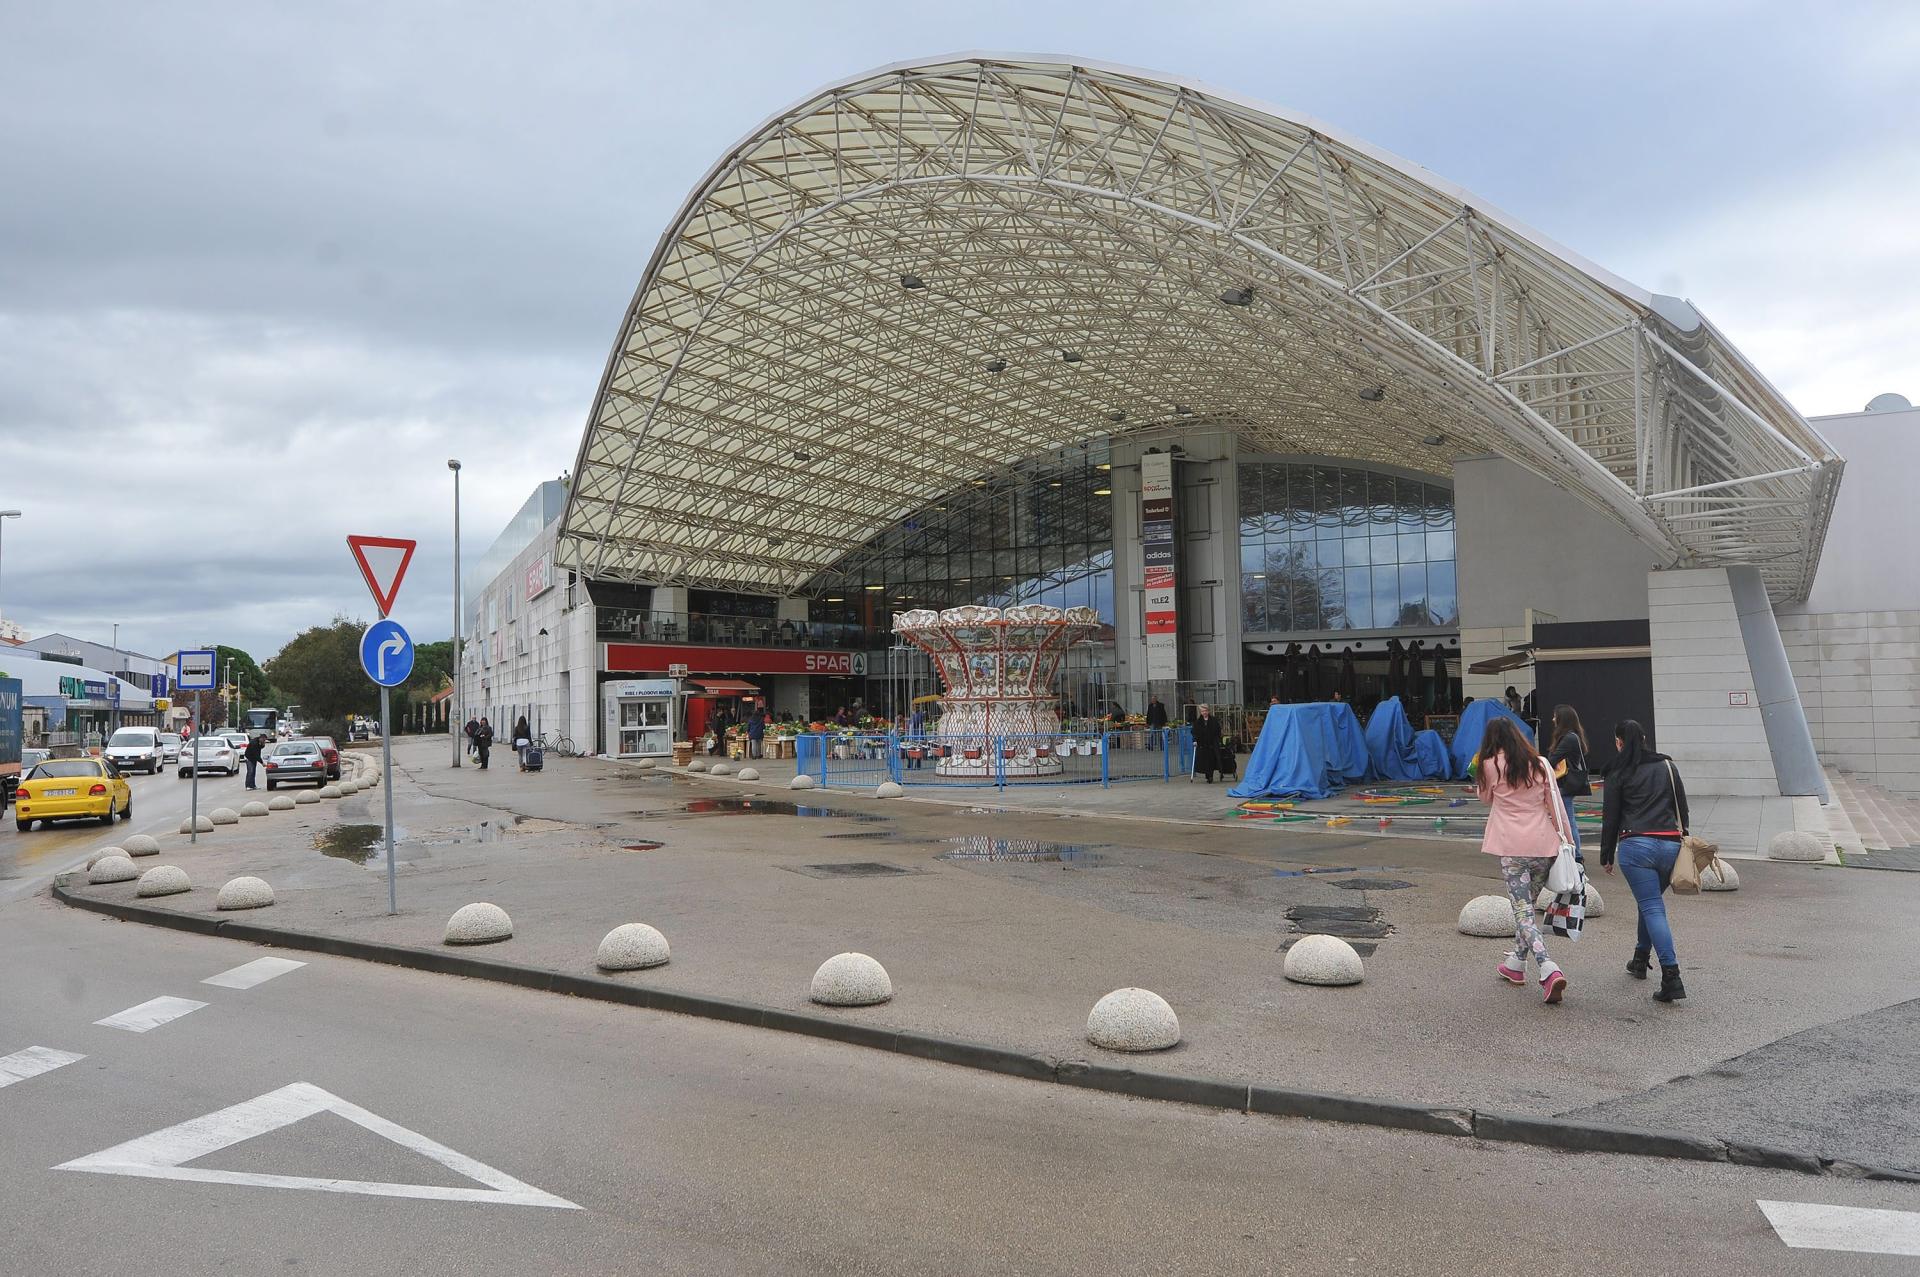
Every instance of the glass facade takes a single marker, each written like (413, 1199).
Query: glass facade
(1043, 535)
(1339, 547)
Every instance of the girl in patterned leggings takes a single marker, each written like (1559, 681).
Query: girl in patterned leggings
(1524, 832)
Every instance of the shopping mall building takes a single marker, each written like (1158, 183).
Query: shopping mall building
(1292, 415)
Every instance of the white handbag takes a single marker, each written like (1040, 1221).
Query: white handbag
(1566, 874)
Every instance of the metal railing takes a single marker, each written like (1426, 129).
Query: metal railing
(859, 760)
(648, 625)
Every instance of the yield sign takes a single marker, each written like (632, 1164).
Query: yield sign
(164, 1154)
(383, 561)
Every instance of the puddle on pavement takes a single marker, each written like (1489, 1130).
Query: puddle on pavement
(1027, 851)
(752, 807)
(1372, 884)
(851, 869)
(1347, 921)
(1320, 870)
(358, 843)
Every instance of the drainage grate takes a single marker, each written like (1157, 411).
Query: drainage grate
(1346, 921)
(645, 844)
(870, 833)
(854, 869)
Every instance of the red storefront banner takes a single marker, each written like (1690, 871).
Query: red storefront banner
(654, 658)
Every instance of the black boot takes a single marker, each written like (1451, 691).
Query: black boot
(1637, 964)
(1671, 990)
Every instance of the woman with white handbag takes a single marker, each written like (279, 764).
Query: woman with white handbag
(1525, 829)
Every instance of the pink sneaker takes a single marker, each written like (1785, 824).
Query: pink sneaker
(1512, 970)
(1554, 985)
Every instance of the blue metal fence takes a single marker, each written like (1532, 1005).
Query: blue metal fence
(858, 760)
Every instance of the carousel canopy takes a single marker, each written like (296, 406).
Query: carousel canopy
(901, 283)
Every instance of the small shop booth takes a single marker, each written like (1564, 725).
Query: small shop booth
(637, 717)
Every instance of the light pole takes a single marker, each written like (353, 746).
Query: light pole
(453, 717)
(4, 516)
(113, 687)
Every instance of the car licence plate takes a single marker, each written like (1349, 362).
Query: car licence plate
(59, 793)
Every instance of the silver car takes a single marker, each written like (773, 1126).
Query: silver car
(170, 747)
(209, 754)
(295, 761)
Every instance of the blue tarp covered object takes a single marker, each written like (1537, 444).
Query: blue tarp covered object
(1304, 750)
(1473, 729)
(1397, 752)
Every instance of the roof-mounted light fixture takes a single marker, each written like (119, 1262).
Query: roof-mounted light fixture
(1434, 440)
(1103, 491)
(1237, 297)
(1373, 394)
(1181, 410)
(875, 587)
(803, 456)
(1069, 356)
(1116, 416)
(996, 365)
(911, 282)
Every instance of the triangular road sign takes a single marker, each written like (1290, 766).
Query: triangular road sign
(162, 1154)
(383, 561)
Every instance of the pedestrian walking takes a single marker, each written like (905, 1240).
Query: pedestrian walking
(472, 730)
(255, 744)
(1523, 830)
(756, 730)
(483, 741)
(1567, 756)
(1644, 820)
(1156, 714)
(522, 738)
(916, 752)
(1206, 743)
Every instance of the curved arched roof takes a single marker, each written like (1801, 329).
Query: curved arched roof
(938, 268)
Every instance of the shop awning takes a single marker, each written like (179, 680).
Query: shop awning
(726, 687)
(1501, 664)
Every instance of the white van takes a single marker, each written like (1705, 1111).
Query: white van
(136, 749)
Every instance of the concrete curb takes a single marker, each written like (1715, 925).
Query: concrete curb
(1216, 1093)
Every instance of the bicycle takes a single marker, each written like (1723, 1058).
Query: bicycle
(557, 744)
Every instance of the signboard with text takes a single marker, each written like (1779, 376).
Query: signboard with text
(647, 658)
(539, 576)
(1159, 598)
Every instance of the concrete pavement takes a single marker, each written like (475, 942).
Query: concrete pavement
(1002, 932)
(693, 1147)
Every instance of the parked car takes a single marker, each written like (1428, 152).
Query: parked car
(209, 753)
(291, 761)
(331, 752)
(170, 744)
(136, 749)
(235, 738)
(72, 789)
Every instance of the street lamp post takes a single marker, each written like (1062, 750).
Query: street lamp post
(453, 716)
(113, 687)
(4, 516)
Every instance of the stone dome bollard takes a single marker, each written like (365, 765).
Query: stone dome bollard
(112, 869)
(142, 845)
(225, 816)
(163, 880)
(850, 980)
(720, 769)
(888, 789)
(254, 808)
(1720, 876)
(205, 824)
(1323, 960)
(1596, 903)
(748, 773)
(1793, 844)
(330, 791)
(1487, 916)
(802, 781)
(1133, 1020)
(306, 797)
(631, 947)
(479, 924)
(280, 802)
(349, 787)
(697, 765)
(104, 852)
(244, 893)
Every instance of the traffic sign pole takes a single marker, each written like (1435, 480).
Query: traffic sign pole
(386, 654)
(386, 784)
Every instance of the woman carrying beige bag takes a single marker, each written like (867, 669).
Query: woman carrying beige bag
(1645, 820)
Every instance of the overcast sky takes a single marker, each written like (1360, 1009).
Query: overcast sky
(264, 268)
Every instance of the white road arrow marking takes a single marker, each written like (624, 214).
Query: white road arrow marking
(248, 974)
(150, 1014)
(161, 1155)
(32, 1062)
(1812, 1226)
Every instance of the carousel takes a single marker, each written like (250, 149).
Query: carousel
(998, 667)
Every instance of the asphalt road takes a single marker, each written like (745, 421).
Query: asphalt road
(160, 802)
(687, 1146)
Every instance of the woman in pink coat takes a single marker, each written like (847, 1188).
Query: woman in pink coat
(1523, 829)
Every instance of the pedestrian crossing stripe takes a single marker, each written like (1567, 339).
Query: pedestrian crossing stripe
(1814, 1226)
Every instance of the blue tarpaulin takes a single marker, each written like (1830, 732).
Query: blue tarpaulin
(1397, 752)
(1473, 729)
(1304, 750)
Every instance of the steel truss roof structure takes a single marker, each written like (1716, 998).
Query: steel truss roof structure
(936, 269)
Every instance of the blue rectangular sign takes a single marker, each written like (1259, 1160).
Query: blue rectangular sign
(195, 672)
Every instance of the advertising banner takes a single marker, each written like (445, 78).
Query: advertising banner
(1159, 599)
(644, 658)
(10, 703)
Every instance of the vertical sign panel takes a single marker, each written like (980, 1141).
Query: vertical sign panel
(1157, 556)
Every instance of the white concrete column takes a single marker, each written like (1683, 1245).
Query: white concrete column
(1705, 706)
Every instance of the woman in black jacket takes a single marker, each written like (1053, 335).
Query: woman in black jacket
(1206, 743)
(1567, 757)
(1646, 817)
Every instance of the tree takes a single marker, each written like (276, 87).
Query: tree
(254, 688)
(432, 666)
(320, 669)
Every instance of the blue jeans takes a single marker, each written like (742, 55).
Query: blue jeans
(1647, 865)
(250, 766)
(1573, 827)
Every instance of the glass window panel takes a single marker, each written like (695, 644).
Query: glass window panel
(1297, 510)
(1253, 601)
(1442, 595)
(1440, 546)
(1355, 550)
(1385, 550)
(1386, 596)
(1353, 499)
(1413, 547)
(1359, 598)
(1333, 600)
(1329, 554)
(1252, 556)
(1251, 503)
(1413, 594)
(1279, 604)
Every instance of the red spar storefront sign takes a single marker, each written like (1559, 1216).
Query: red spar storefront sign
(648, 658)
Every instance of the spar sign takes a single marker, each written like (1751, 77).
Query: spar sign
(1159, 602)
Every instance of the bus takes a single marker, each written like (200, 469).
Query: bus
(263, 720)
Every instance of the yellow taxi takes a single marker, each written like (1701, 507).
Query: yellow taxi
(72, 789)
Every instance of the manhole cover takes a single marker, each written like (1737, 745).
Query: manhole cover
(978, 848)
(1372, 884)
(853, 869)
